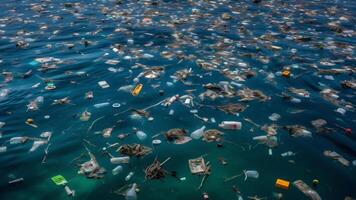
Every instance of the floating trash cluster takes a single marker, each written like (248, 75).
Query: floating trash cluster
(157, 99)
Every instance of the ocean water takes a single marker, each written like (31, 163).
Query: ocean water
(188, 31)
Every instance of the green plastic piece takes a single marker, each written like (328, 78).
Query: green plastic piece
(59, 180)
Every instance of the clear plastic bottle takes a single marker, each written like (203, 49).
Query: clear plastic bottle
(230, 125)
(197, 134)
(141, 135)
(131, 193)
(129, 176)
(117, 170)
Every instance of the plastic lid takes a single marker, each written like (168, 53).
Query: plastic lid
(156, 142)
(116, 105)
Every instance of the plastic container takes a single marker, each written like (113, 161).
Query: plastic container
(283, 184)
(197, 134)
(251, 174)
(137, 90)
(120, 160)
(117, 170)
(141, 135)
(234, 125)
(131, 193)
(103, 84)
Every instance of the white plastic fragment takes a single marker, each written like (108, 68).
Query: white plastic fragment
(17, 140)
(103, 84)
(37, 144)
(287, 154)
(274, 117)
(341, 111)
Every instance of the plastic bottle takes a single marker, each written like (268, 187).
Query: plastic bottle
(197, 134)
(141, 135)
(230, 125)
(251, 174)
(69, 191)
(131, 193)
(100, 105)
(117, 170)
(129, 176)
(262, 138)
(120, 160)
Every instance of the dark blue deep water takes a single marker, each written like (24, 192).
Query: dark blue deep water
(75, 44)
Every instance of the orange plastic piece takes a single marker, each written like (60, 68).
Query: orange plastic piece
(280, 183)
(286, 73)
(137, 90)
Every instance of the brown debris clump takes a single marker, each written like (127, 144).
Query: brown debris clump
(297, 131)
(155, 171)
(249, 95)
(175, 134)
(212, 135)
(134, 150)
(232, 108)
